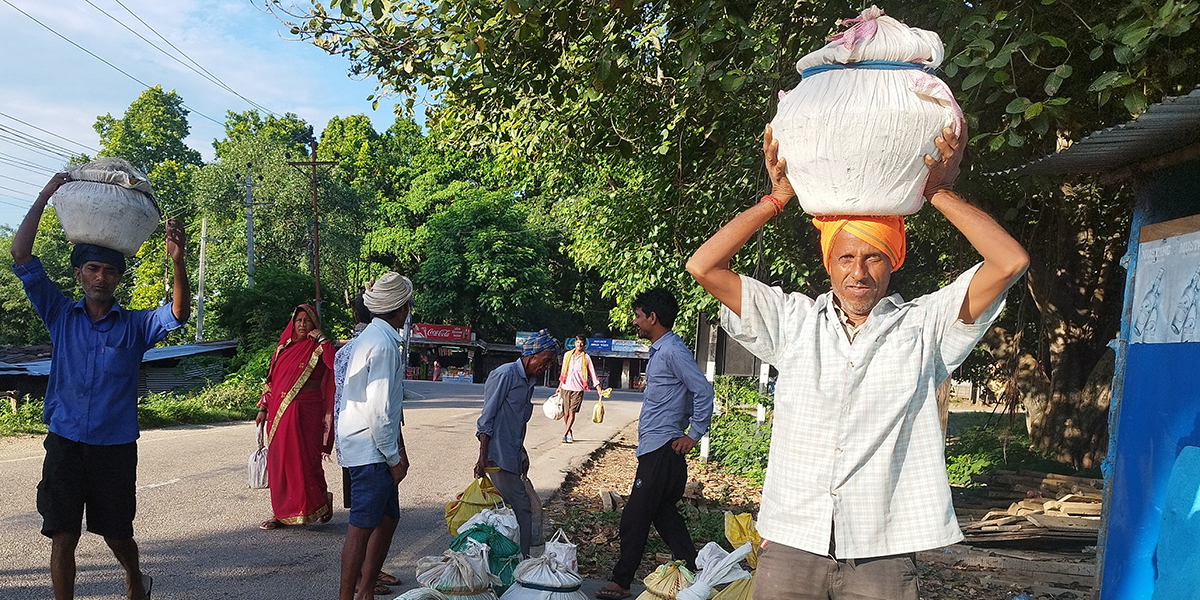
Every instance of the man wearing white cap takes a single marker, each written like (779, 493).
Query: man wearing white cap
(370, 442)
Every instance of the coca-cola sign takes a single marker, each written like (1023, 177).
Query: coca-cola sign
(442, 332)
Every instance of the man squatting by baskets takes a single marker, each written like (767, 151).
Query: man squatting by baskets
(857, 482)
(507, 407)
(91, 398)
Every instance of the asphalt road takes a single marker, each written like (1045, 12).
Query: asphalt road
(197, 522)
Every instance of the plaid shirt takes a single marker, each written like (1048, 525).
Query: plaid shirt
(856, 440)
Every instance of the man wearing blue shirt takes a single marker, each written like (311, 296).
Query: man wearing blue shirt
(677, 407)
(507, 406)
(91, 398)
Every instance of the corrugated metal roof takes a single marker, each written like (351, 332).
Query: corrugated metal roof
(42, 367)
(1165, 127)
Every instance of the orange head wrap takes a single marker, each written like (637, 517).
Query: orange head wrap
(885, 233)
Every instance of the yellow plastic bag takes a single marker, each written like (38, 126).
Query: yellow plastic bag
(479, 495)
(666, 581)
(598, 412)
(740, 529)
(742, 589)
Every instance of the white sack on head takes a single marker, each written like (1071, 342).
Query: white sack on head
(109, 203)
(502, 519)
(462, 575)
(544, 578)
(716, 566)
(855, 138)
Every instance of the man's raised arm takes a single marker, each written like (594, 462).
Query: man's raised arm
(1004, 260)
(709, 266)
(22, 244)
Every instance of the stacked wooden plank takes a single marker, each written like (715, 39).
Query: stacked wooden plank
(1042, 506)
(1038, 573)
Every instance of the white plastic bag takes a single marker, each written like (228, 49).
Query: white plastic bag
(503, 519)
(548, 579)
(855, 138)
(256, 467)
(552, 407)
(459, 574)
(422, 593)
(716, 566)
(108, 203)
(564, 550)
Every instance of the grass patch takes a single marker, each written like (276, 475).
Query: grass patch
(232, 400)
(980, 449)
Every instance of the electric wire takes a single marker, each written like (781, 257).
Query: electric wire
(33, 147)
(207, 72)
(10, 178)
(21, 162)
(13, 204)
(34, 141)
(27, 124)
(97, 57)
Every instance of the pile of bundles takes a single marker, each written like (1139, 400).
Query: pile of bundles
(503, 552)
(545, 578)
(455, 576)
(109, 203)
(856, 128)
(673, 581)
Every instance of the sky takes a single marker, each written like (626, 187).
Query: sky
(50, 84)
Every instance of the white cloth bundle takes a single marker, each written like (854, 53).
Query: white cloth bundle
(544, 578)
(503, 519)
(461, 575)
(109, 203)
(716, 566)
(256, 466)
(422, 593)
(855, 138)
(552, 407)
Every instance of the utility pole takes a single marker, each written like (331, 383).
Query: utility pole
(313, 163)
(249, 185)
(200, 291)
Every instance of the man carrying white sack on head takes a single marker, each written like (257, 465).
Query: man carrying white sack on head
(857, 477)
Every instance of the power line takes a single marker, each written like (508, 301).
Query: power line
(25, 164)
(84, 146)
(32, 141)
(11, 190)
(210, 76)
(17, 180)
(33, 147)
(13, 204)
(97, 57)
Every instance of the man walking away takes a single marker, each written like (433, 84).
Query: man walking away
(676, 412)
(370, 437)
(91, 399)
(507, 406)
(577, 371)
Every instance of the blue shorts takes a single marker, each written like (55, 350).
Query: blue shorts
(375, 495)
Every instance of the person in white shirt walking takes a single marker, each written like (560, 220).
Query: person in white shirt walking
(370, 442)
(856, 482)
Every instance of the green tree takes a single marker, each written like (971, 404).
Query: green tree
(19, 324)
(150, 135)
(646, 117)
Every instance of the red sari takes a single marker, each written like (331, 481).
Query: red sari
(296, 425)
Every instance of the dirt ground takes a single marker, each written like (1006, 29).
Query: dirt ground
(954, 574)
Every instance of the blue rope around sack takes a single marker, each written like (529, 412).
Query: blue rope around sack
(883, 65)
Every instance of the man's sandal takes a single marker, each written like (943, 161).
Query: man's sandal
(608, 593)
(387, 579)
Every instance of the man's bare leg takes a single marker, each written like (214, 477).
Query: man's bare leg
(354, 553)
(62, 564)
(126, 552)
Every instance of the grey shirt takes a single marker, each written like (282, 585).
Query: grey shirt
(507, 407)
(678, 397)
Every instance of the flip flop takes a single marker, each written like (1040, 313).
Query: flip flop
(325, 518)
(380, 590)
(271, 524)
(387, 579)
(606, 593)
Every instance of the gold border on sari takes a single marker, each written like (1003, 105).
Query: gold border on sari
(287, 399)
(306, 519)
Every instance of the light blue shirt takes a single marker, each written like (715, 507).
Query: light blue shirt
(368, 424)
(507, 406)
(678, 399)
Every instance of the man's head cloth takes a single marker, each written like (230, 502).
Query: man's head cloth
(84, 253)
(885, 233)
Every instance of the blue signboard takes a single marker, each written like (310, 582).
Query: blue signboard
(599, 344)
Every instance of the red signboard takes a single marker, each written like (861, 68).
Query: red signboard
(442, 332)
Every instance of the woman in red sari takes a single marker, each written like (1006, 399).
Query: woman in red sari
(297, 407)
